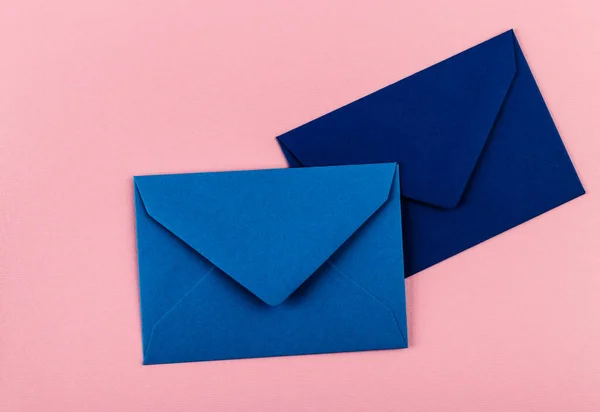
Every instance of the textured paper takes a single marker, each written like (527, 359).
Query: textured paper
(479, 153)
(270, 262)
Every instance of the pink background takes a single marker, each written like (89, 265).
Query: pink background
(93, 92)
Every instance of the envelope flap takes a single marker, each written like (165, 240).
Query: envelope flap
(434, 123)
(267, 229)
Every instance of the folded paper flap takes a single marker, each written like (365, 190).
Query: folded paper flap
(434, 123)
(269, 230)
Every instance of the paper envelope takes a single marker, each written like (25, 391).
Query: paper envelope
(270, 262)
(478, 151)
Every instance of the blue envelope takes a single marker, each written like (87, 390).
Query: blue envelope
(271, 262)
(478, 151)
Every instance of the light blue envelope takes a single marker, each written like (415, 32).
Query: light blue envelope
(270, 262)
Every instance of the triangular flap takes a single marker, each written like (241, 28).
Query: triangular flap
(434, 123)
(267, 229)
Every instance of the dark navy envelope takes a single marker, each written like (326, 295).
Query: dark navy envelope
(270, 262)
(478, 151)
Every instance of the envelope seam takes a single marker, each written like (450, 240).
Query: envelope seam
(290, 151)
(341, 272)
(490, 131)
(175, 305)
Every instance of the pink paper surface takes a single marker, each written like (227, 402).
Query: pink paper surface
(93, 92)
